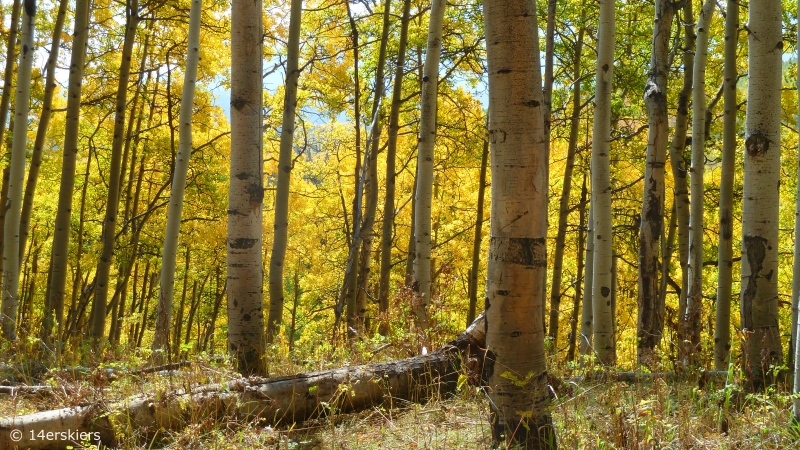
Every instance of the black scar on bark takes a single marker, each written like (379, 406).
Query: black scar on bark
(488, 365)
(523, 251)
(757, 144)
(604, 291)
(256, 193)
(238, 103)
(755, 249)
(532, 103)
(243, 243)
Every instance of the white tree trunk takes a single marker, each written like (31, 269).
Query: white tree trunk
(587, 318)
(281, 225)
(11, 56)
(601, 189)
(427, 140)
(759, 289)
(515, 366)
(10, 283)
(652, 219)
(164, 314)
(60, 251)
(722, 331)
(679, 170)
(41, 129)
(795, 281)
(694, 298)
(246, 191)
(99, 304)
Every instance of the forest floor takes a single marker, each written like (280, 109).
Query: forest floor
(598, 414)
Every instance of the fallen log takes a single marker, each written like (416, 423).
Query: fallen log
(277, 401)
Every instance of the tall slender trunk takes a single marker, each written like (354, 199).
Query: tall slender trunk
(391, 155)
(163, 316)
(178, 327)
(515, 358)
(8, 77)
(41, 131)
(652, 219)
(721, 353)
(60, 252)
(694, 298)
(285, 163)
(666, 260)
(76, 283)
(678, 165)
(99, 303)
(427, 140)
(367, 229)
(587, 317)
(412, 242)
(11, 266)
(730, 90)
(576, 306)
(759, 289)
(547, 95)
(563, 204)
(795, 295)
(472, 289)
(603, 319)
(246, 191)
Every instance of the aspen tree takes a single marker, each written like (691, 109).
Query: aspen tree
(759, 278)
(281, 225)
(694, 298)
(679, 171)
(515, 359)
(652, 219)
(563, 205)
(41, 131)
(11, 58)
(601, 188)
(99, 304)
(391, 156)
(10, 284)
(795, 343)
(427, 140)
(169, 255)
(246, 191)
(60, 252)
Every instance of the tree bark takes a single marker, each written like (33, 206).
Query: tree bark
(41, 131)
(100, 301)
(602, 312)
(425, 152)
(679, 171)
(161, 342)
(563, 205)
(694, 298)
(472, 289)
(573, 322)
(11, 241)
(246, 191)
(11, 58)
(587, 318)
(515, 366)
(60, 247)
(759, 289)
(285, 164)
(652, 219)
(731, 31)
(391, 155)
(279, 401)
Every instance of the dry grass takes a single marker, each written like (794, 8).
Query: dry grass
(593, 414)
